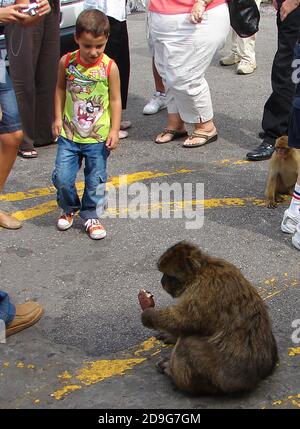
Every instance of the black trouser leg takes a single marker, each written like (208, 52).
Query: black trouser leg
(117, 48)
(278, 107)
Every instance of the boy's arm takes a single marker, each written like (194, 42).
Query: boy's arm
(115, 106)
(60, 98)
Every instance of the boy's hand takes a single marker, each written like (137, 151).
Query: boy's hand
(56, 128)
(112, 140)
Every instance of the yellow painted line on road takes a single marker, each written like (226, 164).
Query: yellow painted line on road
(131, 178)
(115, 181)
(96, 371)
(293, 399)
(274, 286)
(294, 351)
(50, 206)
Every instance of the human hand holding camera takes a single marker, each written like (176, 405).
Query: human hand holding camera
(12, 13)
(40, 8)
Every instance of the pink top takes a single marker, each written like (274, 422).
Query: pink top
(173, 7)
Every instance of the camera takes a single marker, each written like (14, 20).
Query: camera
(31, 9)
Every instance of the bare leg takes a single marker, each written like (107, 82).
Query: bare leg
(159, 86)
(9, 145)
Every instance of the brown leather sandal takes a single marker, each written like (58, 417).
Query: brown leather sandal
(207, 139)
(175, 135)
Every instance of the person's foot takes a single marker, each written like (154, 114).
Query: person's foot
(200, 137)
(262, 152)
(155, 104)
(229, 60)
(8, 221)
(169, 135)
(95, 229)
(27, 154)
(26, 315)
(245, 67)
(290, 221)
(296, 238)
(125, 125)
(65, 221)
(123, 134)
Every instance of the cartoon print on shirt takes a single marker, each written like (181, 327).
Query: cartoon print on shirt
(78, 82)
(86, 113)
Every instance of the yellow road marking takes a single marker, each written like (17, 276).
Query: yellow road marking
(294, 399)
(96, 371)
(294, 351)
(130, 178)
(50, 206)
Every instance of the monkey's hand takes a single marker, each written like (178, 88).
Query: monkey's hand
(148, 318)
(145, 299)
(272, 205)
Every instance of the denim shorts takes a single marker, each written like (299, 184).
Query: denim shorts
(10, 115)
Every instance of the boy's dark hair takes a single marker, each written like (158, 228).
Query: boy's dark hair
(92, 21)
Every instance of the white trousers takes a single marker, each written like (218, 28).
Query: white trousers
(182, 52)
(244, 47)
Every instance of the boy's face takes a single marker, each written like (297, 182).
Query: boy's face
(90, 47)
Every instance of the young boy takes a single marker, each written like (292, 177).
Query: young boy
(87, 120)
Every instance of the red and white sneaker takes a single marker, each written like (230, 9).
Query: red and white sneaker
(95, 229)
(65, 221)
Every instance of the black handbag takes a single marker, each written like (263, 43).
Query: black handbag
(244, 17)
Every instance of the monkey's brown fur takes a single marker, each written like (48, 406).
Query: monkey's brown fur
(283, 170)
(224, 338)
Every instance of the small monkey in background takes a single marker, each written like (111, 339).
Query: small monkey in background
(224, 339)
(283, 172)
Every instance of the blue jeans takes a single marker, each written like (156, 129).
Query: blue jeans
(10, 121)
(68, 162)
(7, 309)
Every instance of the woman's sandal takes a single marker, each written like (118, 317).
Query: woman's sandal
(199, 139)
(27, 153)
(174, 135)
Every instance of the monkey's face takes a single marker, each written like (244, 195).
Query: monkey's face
(281, 147)
(282, 152)
(171, 285)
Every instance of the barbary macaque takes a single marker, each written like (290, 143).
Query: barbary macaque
(283, 171)
(224, 339)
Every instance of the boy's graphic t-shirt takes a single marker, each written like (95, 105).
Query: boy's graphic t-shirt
(86, 117)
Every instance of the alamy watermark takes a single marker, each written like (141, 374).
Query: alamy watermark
(295, 337)
(156, 201)
(2, 332)
(296, 72)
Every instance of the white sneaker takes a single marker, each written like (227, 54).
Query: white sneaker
(65, 221)
(289, 222)
(123, 134)
(125, 124)
(157, 103)
(95, 229)
(296, 238)
(230, 60)
(245, 67)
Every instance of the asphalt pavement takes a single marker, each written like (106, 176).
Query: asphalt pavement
(90, 350)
